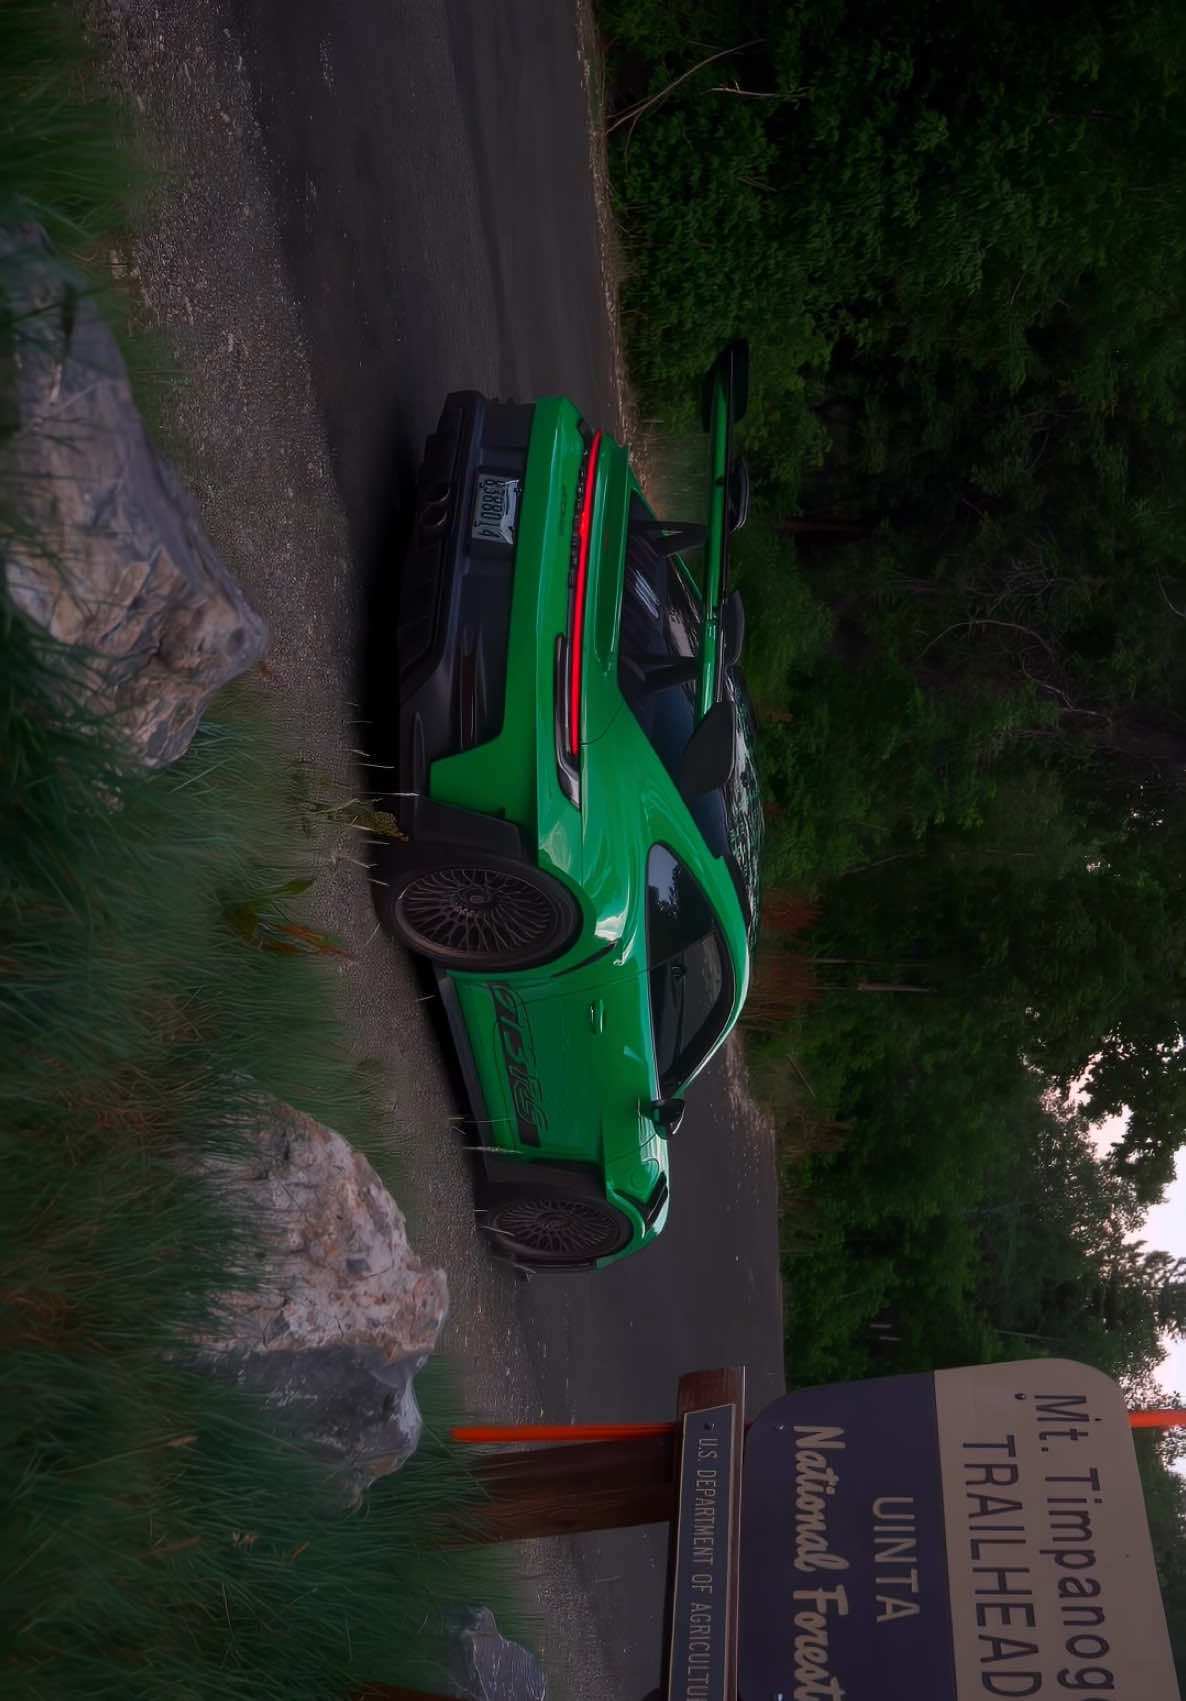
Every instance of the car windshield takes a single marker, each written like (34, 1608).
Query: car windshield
(690, 976)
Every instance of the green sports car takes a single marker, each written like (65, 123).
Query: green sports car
(581, 805)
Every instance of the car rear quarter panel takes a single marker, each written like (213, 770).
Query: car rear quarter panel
(515, 773)
(500, 776)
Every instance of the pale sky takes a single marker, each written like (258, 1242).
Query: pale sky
(1164, 1230)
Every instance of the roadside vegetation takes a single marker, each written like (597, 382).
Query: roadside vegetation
(955, 240)
(162, 1536)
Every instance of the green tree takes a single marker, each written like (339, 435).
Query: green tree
(955, 238)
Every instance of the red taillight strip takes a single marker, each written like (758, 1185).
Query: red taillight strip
(584, 527)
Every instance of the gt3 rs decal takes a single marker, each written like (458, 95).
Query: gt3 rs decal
(518, 1055)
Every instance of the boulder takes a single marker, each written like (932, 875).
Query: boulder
(342, 1313)
(109, 552)
(484, 1666)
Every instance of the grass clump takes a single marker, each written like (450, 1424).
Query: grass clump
(159, 1537)
(160, 1534)
(65, 157)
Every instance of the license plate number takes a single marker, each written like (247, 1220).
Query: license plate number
(496, 508)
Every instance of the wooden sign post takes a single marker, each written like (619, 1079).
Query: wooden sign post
(585, 1486)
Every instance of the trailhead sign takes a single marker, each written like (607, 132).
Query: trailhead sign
(971, 1535)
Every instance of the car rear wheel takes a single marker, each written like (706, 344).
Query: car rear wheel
(481, 913)
(551, 1224)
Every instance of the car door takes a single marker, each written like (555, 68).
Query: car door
(577, 1060)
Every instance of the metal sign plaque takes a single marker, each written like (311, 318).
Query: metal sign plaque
(701, 1655)
(970, 1535)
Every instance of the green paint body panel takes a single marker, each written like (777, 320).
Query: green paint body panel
(591, 1052)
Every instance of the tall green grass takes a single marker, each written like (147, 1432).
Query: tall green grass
(161, 1534)
(65, 157)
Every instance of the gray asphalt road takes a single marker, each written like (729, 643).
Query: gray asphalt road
(431, 165)
(414, 213)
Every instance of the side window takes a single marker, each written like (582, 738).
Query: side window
(659, 642)
(690, 976)
(730, 820)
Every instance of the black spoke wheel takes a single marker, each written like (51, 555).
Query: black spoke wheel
(483, 913)
(542, 1226)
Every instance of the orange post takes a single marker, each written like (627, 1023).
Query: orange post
(512, 1434)
(507, 1434)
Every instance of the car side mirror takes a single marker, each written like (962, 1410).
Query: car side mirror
(710, 753)
(733, 628)
(666, 1114)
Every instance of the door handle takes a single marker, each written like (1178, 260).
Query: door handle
(597, 1016)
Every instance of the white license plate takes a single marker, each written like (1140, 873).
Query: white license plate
(496, 508)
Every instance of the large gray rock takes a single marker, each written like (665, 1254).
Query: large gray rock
(110, 554)
(484, 1666)
(342, 1314)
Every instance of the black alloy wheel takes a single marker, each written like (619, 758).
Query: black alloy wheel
(483, 913)
(550, 1227)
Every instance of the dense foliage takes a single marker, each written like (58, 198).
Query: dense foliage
(956, 240)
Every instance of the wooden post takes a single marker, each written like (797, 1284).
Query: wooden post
(563, 1491)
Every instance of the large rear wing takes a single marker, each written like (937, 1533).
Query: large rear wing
(727, 381)
(726, 396)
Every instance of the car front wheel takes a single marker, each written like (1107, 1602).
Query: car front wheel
(554, 1226)
(481, 913)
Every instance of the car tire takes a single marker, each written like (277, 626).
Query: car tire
(475, 912)
(554, 1220)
